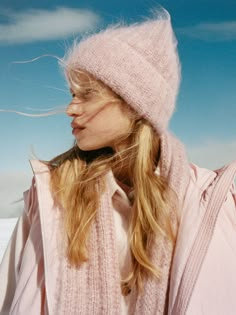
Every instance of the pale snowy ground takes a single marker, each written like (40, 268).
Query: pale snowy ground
(6, 228)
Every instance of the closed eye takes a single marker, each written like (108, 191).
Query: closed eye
(82, 95)
(72, 93)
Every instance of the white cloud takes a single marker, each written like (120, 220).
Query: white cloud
(35, 25)
(12, 186)
(213, 154)
(222, 31)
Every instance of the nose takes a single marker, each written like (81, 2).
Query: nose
(75, 108)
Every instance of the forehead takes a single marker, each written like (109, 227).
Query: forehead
(79, 80)
(78, 77)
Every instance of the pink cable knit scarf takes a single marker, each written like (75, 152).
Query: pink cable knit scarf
(95, 287)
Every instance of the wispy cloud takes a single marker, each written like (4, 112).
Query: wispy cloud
(213, 154)
(222, 31)
(35, 25)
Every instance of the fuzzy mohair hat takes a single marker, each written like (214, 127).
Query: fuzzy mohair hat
(139, 62)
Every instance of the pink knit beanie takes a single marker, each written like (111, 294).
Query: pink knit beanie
(139, 62)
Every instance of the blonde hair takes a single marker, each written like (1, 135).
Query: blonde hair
(78, 178)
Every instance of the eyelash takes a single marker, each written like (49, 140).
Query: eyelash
(84, 96)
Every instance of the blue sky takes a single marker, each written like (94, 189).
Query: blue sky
(206, 107)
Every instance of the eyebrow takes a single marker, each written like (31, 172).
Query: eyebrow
(83, 91)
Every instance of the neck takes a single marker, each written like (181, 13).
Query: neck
(122, 177)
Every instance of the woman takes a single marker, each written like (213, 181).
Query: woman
(111, 226)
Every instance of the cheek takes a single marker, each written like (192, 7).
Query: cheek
(117, 119)
(110, 122)
(114, 126)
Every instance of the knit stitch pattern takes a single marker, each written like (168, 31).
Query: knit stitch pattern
(94, 288)
(140, 63)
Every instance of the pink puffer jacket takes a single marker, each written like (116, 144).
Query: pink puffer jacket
(202, 280)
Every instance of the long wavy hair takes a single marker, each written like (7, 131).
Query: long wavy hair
(78, 179)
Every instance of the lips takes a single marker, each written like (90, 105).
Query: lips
(76, 131)
(76, 126)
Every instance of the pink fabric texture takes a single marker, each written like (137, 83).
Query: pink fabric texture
(31, 272)
(139, 62)
(96, 285)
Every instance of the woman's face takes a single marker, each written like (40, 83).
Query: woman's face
(97, 123)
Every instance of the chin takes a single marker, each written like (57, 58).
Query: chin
(89, 147)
